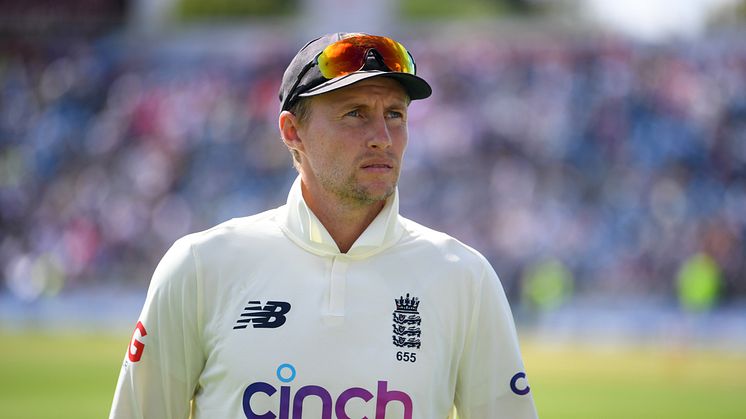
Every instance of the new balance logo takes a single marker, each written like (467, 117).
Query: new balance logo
(269, 316)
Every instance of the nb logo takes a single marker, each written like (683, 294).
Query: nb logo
(269, 316)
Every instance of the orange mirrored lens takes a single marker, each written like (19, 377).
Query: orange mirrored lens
(348, 55)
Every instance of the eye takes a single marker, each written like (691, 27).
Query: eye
(394, 115)
(354, 113)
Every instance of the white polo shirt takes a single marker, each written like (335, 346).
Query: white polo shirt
(263, 317)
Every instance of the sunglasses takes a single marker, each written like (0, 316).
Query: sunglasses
(349, 55)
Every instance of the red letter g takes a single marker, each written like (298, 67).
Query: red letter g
(136, 346)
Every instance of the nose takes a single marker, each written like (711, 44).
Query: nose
(379, 136)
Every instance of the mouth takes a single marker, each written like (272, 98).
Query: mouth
(377, 166)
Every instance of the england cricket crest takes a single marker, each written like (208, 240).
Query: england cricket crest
(407, 322)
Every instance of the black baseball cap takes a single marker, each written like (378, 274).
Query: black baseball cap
(303, 77)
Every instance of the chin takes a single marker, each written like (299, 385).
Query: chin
(382, 194)
(370, 195)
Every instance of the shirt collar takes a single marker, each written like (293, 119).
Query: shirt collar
(302, 226)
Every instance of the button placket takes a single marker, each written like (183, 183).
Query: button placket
(337, 286)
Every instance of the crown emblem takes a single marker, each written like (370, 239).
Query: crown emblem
(407, 305)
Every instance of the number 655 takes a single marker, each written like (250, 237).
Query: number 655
(406, 356)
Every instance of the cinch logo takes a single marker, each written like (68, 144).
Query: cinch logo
(271, 316)
(514, 384)
(286, 374)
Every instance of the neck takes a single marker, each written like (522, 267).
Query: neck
(345, 221)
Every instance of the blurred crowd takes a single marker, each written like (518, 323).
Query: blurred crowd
(617, 161)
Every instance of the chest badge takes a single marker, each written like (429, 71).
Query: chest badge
(407, 322)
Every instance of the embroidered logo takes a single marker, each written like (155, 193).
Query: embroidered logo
(269, 316)
(407, 323)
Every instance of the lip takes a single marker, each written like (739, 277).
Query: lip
(377, 164)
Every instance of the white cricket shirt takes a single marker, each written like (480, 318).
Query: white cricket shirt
(263, 317)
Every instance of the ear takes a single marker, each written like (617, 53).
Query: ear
(289, 129)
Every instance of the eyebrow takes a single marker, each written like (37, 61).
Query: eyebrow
(356, 103)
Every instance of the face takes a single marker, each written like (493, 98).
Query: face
(353, 141)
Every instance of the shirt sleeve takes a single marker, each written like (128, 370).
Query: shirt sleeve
(165, 356)
(491, 380)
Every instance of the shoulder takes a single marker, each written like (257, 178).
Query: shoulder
(259, 226)
(443, 247)
(235, 238)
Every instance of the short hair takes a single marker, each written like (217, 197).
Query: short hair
(302, 111)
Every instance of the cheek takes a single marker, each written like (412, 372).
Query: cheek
(400, 139)
(329, 153)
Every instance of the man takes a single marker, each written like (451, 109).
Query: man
(333, 305)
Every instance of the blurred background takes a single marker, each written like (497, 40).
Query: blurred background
(593, 150)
